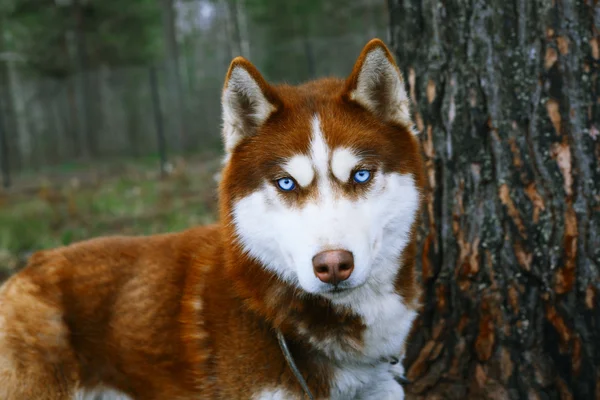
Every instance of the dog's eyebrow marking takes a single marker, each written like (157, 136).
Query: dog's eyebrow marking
(301, 169)
(343, 162)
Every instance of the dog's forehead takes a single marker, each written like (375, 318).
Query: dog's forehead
(317, 132)
(315, 120)
(321, 159)
(320, 140)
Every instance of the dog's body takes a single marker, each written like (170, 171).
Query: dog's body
(318, 203)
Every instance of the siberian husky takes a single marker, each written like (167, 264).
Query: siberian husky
(313, 254)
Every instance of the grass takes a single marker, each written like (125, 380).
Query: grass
(128, 198)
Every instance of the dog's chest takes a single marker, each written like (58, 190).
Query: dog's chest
(388, 322)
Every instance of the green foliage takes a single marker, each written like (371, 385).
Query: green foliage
(292, 31)
(34, 30)
(24, 227)
(287, 18)
(130, 201)
(114, 32)
(124, 32)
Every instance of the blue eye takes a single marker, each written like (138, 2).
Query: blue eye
(286, 184)
(362, 176)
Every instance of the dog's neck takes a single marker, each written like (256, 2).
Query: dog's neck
(334, 329)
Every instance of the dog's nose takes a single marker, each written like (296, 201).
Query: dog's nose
(333, 266)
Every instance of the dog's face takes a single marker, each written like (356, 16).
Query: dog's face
(322, 179)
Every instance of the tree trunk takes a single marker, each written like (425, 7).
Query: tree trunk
(158, 121)
(241, 23)
(507, 103)
(4, 162)
(9, 117)
(86, 128)
(237, 28)
(132, 103)
(17, 89)
(175, 90)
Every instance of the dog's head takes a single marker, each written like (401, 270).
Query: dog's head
(322, 181)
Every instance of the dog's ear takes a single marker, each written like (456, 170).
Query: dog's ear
(247, 102)
(376, 84)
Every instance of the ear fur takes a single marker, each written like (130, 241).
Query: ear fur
(247, 102)
(376, 83)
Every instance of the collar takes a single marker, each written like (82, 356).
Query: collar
(292, 364)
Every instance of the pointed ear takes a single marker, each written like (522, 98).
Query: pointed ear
(376, 83)
(247, 102)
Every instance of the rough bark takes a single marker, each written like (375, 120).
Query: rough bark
(507, 100)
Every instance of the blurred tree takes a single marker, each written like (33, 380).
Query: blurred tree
(86, 114)
(175, 90)
(114, 32)
(6, 98)
(4, 161)
(237, 27)
(18, 141)
(64, 38)
(79, 85)
(507, 104)
(296, 35)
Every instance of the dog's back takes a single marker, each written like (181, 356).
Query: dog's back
(109, 311)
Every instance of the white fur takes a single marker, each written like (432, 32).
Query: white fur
(397, 370)
(343, 161)
(319, 150)
(100, 394)
(242, 87)
(360, 376)
(365, 382)
(275, 394)
(352, 382)
(374, 228)
(300, 168)
(379, 79)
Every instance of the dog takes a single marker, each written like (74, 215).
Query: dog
(305, 288)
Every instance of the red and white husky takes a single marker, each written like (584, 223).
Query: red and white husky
(319, 198)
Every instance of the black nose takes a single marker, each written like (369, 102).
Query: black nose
(333, 266)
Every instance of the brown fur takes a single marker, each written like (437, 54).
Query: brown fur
(188, 315)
